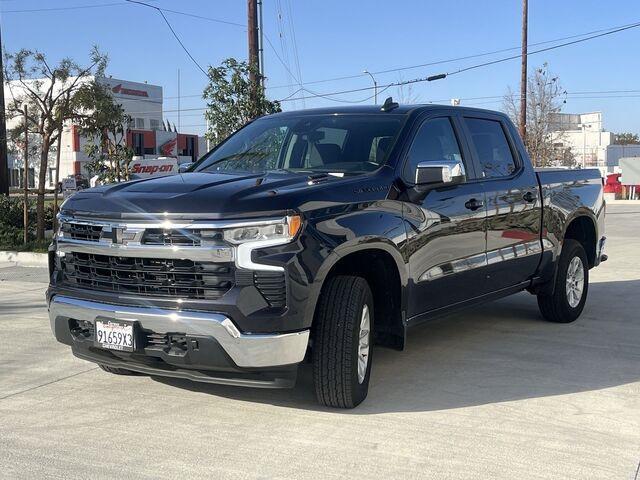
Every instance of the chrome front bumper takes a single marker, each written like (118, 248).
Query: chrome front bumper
(246, 350)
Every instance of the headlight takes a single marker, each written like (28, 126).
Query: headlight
(251, 236)
(273, 232)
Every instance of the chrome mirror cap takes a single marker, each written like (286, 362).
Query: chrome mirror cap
(439, 172)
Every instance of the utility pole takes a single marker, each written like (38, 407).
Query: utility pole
(523, 73)
(179, 125)
(261, 43)
(254, 62)
(4, 157)
(26, 176)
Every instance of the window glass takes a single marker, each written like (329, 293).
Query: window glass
(322, 143)
(492, 147)
(435, 142)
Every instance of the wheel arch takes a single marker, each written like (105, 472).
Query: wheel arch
(582, 227)
(382, 265)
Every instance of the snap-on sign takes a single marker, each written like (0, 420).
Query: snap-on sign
(150, 167)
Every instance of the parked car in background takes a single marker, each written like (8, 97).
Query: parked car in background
(73, 182)
(313, 235)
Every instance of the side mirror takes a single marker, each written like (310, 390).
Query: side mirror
(433, 173)
(183, 167)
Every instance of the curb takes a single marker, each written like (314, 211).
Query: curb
(623, 202)
(24, 259)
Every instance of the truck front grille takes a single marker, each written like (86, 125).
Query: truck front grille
(148, 276)
(171, 237)
(81, 231)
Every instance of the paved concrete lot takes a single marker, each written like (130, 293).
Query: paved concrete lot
(492, 393)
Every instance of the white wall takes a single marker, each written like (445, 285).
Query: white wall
(140, 100)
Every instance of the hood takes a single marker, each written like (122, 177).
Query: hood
(199, 195)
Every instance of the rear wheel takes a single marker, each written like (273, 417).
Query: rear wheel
(117, 371)
(569, 295)
(342, 340)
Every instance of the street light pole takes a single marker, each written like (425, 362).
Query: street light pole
(375, 86)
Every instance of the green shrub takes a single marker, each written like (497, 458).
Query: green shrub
(11, 224)
(11, 211)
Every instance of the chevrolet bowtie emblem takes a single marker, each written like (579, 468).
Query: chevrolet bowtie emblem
(116, 235)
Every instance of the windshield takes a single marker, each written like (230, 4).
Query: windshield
(340, 144)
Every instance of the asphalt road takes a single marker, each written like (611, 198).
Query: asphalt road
(491, 393)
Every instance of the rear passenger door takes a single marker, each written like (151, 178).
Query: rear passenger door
(513, 206)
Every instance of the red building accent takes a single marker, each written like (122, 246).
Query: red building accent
(182, 143)
(75, 138)
(148, 138)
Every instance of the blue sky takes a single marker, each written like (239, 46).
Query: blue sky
(342, 38)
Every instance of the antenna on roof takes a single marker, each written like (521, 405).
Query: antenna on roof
(389, 105)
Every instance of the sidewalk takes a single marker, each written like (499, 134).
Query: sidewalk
(24, 259)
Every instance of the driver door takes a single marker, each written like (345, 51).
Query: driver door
(446, 228)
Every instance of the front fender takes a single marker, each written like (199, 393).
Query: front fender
(358, 232)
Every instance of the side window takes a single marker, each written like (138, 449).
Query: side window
(491, 147)
(435, 141)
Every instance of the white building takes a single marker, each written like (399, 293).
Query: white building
(591, 145)
(147, 134)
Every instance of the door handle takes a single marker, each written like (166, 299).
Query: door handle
(474, 204)
(529, 197)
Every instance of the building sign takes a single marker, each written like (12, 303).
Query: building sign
(143, 168)
(167, 143)
(168, 148)
(129, 91)
(136, 91)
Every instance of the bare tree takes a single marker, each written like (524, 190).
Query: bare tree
(47, 91)
(545, 98)
(405, 93)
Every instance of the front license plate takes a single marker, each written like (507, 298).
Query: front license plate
(114, 335)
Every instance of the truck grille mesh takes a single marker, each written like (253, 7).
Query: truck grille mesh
(148, 276)
(80, 231)
(171, 237)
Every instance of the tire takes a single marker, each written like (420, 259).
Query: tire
(340, 381)
(561, 306)
(117, 371)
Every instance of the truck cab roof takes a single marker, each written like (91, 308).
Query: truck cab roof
(376, 109)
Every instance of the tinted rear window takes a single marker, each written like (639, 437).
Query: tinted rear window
(491, 147)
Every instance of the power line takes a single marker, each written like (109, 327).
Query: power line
(278, 56)
(591, 37)
(294, 44)
(472, 67)
(571, 95)
(456, 59)
(77, 7)
(606, 31)
(159, 10)
(284, 49)
(192, 15)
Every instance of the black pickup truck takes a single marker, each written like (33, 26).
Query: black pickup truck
(310, 236)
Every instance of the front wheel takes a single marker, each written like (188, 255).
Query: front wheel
(569, 295)
(342, 339)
